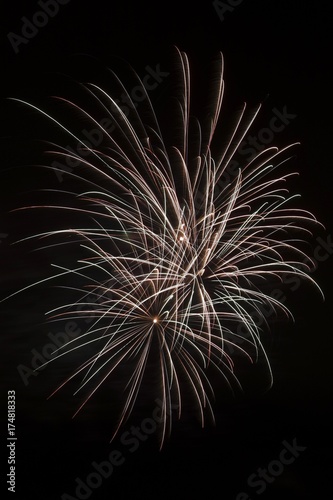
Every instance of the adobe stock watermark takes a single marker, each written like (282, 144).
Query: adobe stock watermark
(3, 236)
(30, 27)
(251, 146)
(255, 144)
(49, 351)
(94, 137)
(262, 477)
(223, 8)
(130, 440)
(56, 341)
(322, 251)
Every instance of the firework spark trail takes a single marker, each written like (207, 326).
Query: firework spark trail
(184, 260)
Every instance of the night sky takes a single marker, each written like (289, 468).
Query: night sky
(276, 52)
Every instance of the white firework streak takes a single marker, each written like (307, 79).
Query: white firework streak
(184, 260)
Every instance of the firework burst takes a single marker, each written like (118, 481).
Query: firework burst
(174, 258)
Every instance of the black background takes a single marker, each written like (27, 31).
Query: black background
(275, 51)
